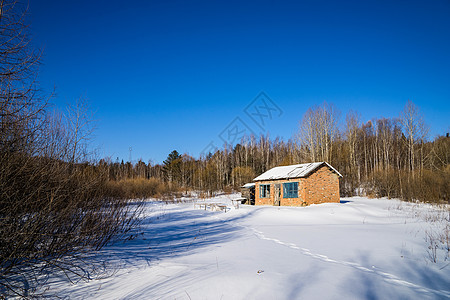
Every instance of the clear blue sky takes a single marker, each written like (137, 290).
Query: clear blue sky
(174, 74)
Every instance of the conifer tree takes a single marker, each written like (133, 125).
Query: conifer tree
(172, 166)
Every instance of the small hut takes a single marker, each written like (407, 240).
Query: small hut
(248, 192)
(298, 185)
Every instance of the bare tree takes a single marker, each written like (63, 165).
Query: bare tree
(19, 110)
(351, 133)
(307, 134)
(80, 123)
(318, 130)
(415, 131)
(352, 128)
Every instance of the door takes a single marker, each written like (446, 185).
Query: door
(277, 195)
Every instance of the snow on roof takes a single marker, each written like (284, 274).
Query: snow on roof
(292, 171)
(248, 185)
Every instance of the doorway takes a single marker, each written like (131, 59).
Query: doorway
(277, 195)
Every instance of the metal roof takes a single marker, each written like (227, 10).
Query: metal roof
(292, 171)
(248, 185)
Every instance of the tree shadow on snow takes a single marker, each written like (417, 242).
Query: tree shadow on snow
(408, 278)
(168, 232)
(173, 233)
(301, 280)
(345, 201)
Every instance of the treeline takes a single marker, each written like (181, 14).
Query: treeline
(55, 207)
(386, 157)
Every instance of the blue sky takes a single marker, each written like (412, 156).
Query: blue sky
(175, 74)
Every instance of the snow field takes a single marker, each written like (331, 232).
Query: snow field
(358, 249)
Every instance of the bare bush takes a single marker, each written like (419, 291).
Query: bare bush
(437, 227)
(53, 208)
(139, 188)
(437, 241)
(386, 183)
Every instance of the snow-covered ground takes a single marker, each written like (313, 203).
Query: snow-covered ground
(358, 249)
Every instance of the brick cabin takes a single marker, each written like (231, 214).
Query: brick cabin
(298, 185)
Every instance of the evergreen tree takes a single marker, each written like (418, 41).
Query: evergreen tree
(172, 166)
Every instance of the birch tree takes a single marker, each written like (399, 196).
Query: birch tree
(318, 130)
(415, 132)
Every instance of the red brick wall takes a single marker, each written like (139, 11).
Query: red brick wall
(322, 186)
(319, 187)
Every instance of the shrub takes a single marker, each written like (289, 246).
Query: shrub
(139, 188)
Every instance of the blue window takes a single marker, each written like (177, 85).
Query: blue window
(264, 191)
(290, 190)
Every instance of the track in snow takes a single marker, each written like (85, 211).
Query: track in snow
(390, 278)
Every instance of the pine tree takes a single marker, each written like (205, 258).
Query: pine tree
(172, 166)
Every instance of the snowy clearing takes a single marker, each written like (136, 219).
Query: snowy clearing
(358, 249)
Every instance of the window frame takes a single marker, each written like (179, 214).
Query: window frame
(266, 188)
(291, 192)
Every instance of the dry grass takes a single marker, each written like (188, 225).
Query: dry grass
(437, 231)
(141, 188)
